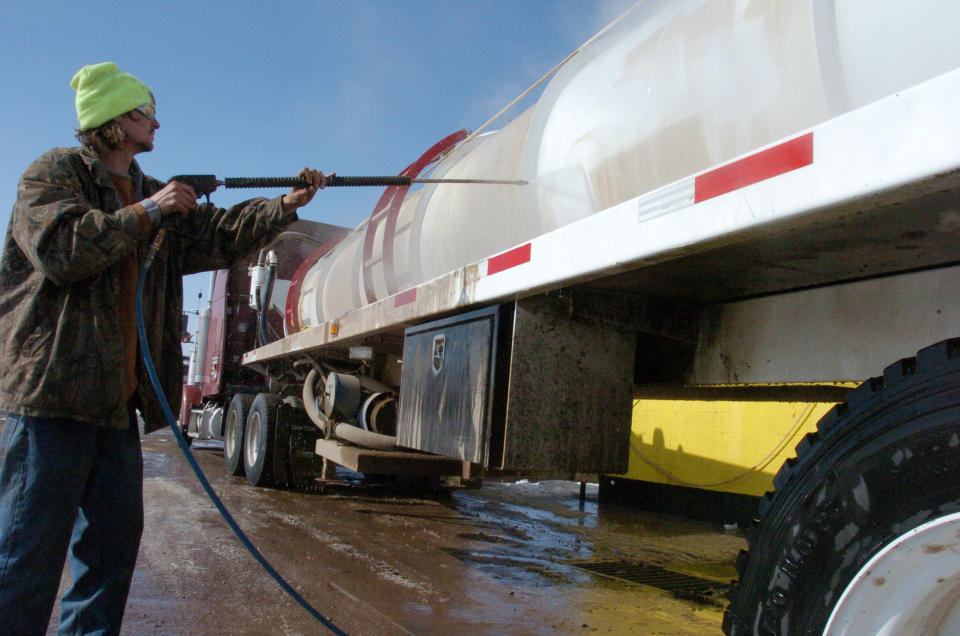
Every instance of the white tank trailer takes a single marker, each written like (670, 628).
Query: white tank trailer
(721, 195)
(672, 89)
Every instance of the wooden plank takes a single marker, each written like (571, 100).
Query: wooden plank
(372, 462)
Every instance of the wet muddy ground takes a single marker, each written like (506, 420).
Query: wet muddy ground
(509, 558)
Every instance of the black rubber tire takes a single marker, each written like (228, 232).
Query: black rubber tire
(233, 432)
(880, 464)
(259, 440)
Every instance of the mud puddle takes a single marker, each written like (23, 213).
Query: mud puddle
(505, 559)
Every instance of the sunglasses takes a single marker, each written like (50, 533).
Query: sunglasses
(147, 110)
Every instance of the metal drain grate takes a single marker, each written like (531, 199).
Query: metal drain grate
(681, 585)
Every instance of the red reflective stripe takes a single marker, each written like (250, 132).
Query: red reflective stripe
(516, 256)
(788, 156)
(405, 297)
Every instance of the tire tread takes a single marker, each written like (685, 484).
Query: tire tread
(833, 427)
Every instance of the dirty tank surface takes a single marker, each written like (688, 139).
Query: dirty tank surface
(510, 558)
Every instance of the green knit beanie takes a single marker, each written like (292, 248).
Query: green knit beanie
(104, 92)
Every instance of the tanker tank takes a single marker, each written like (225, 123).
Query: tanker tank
(674, 88)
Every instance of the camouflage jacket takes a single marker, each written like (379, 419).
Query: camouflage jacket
(60, 346)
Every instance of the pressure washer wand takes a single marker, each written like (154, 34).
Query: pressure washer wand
(204, 184)
(335, 181)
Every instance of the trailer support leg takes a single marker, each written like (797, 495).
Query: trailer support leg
(329, 470)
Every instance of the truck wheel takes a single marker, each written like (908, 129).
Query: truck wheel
(860, 534)
(233, 432)
(259, 440)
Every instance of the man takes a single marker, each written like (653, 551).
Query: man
(70, 374)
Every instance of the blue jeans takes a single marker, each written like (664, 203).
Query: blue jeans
(68, 487)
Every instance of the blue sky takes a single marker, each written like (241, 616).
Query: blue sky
(265, 88)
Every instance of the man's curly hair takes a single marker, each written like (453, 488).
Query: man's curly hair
(104, 138)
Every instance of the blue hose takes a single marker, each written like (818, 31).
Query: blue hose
(171, 420)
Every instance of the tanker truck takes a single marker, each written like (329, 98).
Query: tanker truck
(719, 196)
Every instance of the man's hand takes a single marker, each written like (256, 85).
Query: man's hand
(175, 197)
(299, 197)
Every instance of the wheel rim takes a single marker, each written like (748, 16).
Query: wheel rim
(912, 586)
(252, 445)
(231, 434)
